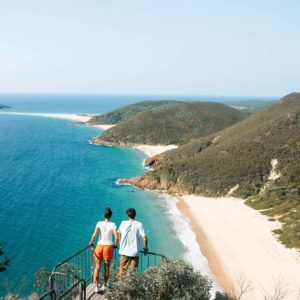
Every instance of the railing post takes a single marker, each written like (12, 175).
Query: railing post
(51, 287)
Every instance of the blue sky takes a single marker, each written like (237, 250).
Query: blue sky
(213, 47)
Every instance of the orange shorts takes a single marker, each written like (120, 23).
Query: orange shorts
(105, 252)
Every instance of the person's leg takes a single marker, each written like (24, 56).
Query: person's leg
(97, 270)
(134, 263)
(108, 255)
(98, 255)
(106, 271)
(124, 264)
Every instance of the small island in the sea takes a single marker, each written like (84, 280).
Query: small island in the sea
(4, 106)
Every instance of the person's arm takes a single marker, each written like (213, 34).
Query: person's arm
(116, 237)
(119, 232)
(96, 231)
(145, 239)
(145, 243)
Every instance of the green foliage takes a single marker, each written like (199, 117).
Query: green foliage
(41, 281)
(223, 296)
(3, 262)
(11, 297)
(251, 106)
(241, 155)
(121, 114)
(176, 123)
(170, 280)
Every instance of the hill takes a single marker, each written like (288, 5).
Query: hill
(3, 106)
(175, 123)
(251, 106)
(257, 159)
(121, 114)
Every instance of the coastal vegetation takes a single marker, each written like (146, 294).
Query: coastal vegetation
(4, 262)
(169, 280)
(257, 159)
(121, 114)
(251, 106)
(176, 123)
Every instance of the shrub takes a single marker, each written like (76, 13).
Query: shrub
(170, 280)
(3, 262)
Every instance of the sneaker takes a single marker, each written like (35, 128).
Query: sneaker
(97, 289)
(103, 288)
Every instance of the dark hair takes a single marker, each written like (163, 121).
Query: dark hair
(131, 213)
(107, 213)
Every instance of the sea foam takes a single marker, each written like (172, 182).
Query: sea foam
(187, 236)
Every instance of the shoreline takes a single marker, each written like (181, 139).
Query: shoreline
(71, 117)
(82, 119)
(234, 258)
(239, 245)
(206, 248)
(152, 150)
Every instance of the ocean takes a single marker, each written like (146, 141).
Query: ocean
(55, 186)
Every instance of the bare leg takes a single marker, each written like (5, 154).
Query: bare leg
(106, 271)
(96, 270)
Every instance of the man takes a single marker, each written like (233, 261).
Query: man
(130, 234)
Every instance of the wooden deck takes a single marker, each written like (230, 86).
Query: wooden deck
(91, 295)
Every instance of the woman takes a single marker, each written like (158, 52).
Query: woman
(105, 247)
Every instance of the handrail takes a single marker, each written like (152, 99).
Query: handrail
(81, 281)
(49, 293)
(164, 258)
(78, 268)
(69, 258)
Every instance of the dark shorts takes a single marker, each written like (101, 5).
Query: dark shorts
(128, 261)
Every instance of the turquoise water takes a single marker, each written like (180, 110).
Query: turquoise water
(55, 185)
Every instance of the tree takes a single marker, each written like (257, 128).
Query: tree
(3, 262)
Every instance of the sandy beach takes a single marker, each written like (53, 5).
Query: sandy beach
(152, 150)
(240, 247)
(102, 127)
(71, 117)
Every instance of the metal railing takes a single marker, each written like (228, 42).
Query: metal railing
(70, 278)
(72, 270)
(49, 295)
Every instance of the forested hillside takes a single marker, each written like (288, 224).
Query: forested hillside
(259, 157)
(175, 123)
(121, 114)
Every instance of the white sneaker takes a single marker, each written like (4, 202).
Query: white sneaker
(97, 289)
(103, 288)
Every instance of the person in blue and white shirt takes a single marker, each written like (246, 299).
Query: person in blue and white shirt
(131, 234)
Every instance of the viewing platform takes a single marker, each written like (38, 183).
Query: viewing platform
(73, 277)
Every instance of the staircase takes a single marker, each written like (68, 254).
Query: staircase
(72, 278)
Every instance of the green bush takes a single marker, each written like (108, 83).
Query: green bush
(170, 280)
(3, 262)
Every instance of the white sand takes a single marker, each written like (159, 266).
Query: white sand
(239, 241)
(71, 117)
(152, 150)
(103, 127)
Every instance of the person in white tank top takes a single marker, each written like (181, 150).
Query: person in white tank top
(105, 247)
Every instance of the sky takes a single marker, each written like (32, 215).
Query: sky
(165, 47)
